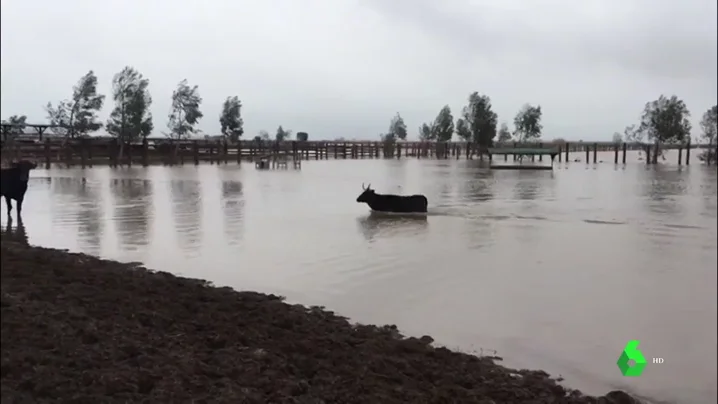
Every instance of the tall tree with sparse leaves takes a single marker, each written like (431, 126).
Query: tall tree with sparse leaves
(131, 119)
(462, 130)
(230, 120)
(78, 115)
(444, 125)
(504, 133)
(282, 134)
(397, 127)
(427, 132)
(528, 123)
(481, 119)
(185, 112)
(632, 135)
(387, 138)
(709, 127)
(19, 122)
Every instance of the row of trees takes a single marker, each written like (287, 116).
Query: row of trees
(665, 120)
(131, 119)
(477, 123)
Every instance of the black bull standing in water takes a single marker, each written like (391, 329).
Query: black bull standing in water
(13, 183)
(393, 203)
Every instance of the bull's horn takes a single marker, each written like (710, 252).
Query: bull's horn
(368, 186)
(362, 187)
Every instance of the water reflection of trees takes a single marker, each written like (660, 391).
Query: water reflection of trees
(477, 185)
(78, 202)
(395, 173)
(526, 190)
(375, 226)
(446, 192)
(133, 203)
(186, 196)
(709, 190)
(532, 190)
(662, 192)
(233, 209)
(661, 188)
(533, 185)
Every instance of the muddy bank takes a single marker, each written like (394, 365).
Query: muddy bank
(77, 329)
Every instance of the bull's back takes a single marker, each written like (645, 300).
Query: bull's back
(402, 204)
(420, 202)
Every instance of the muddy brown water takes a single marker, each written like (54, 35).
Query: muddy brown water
(552, 270)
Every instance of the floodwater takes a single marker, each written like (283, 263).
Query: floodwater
(553, 270)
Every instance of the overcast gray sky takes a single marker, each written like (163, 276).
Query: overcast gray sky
(344, 67)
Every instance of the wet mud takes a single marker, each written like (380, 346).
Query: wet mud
(78, 329)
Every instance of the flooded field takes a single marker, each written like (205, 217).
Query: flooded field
(553, 270)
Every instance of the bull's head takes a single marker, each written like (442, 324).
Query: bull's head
(24, 166)
(367, 195)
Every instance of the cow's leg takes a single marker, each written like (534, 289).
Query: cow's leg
(18, 203)
(9, 204)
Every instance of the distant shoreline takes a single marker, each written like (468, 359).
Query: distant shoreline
(97, 330)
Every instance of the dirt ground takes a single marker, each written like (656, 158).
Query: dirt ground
(77, 329)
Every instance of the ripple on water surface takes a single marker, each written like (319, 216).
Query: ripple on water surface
(555, 270)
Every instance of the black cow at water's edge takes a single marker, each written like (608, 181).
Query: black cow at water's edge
(393, 203)
(13, 183)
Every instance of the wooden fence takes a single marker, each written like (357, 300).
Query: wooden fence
(89, 151)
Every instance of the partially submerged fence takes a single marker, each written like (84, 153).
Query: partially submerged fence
(87, 151)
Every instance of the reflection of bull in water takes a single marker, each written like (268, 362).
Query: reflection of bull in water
(393, 203)
(18, 234)
(13, 183)
(376, 223)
